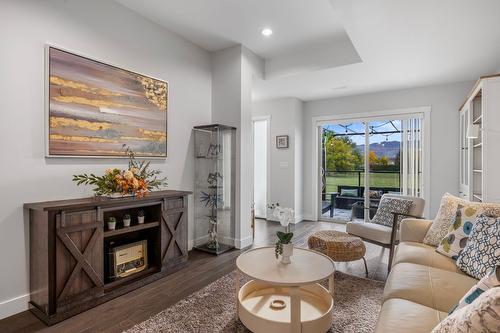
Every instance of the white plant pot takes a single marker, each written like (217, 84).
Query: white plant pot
(140, 219)
(287, 253)
(111, 225)
(126, 222)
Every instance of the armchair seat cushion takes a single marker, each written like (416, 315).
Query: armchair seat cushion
(375, 232)
(423, 254)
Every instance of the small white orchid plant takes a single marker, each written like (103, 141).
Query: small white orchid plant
(285, 216)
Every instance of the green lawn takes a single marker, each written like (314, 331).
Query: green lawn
(376, 180)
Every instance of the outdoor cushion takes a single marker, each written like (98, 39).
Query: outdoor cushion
(349, 192)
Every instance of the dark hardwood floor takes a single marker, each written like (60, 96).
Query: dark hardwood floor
(127, 310)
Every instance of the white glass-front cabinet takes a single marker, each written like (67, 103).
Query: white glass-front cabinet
(480, 154)
(465, 118)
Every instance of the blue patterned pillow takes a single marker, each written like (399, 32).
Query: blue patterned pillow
(491, 280)
(459, 231)
(482, 251)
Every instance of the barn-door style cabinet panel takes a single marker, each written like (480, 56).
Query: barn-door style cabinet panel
(79, 260)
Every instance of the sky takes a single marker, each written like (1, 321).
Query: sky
(378, 126)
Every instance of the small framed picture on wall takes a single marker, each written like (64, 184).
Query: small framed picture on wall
(282, 141)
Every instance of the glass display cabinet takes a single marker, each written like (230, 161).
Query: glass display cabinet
(214, 192)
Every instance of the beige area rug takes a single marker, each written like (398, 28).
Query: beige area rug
(357, 302)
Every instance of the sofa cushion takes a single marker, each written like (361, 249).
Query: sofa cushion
(429, 286)
(490, 280)
(413, 317)
(482, 316)
(446, 213)
(372, 231)
(444, 217)
(459, 231)
(422, 254)
(482, 251)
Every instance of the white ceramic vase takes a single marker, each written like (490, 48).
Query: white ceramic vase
(126, 222)
(287, 253)
(111, 225)
(140, 219)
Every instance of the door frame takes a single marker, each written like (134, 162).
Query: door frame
(267, 119)
(318, 121)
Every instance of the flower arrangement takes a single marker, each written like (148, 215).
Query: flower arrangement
(285, 216)
(137, 180)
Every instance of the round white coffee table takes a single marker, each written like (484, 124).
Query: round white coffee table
(285, 297)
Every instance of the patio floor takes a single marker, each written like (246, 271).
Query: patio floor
(341, 215)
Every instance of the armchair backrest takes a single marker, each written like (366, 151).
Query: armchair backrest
(417, 209)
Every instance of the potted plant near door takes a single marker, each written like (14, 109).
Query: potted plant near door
(284, 245)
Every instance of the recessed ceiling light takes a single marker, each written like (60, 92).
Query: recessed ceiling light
(339, 88)
(267, 32)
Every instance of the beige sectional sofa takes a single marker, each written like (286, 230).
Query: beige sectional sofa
(422, 286)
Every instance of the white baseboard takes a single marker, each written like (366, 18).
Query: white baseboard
(307, 217)
(298, 219)
(243, 243)
(15, 305)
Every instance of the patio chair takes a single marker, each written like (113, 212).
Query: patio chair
(383, 235)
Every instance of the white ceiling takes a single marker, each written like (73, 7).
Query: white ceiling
(324, 48)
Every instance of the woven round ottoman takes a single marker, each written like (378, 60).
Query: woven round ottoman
(338, 245)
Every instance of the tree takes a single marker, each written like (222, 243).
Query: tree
(384, 161)
(372, 158)
(341, 153)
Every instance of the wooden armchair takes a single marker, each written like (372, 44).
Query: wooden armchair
(383, 235)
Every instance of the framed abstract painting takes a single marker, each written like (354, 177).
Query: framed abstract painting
(98, 110)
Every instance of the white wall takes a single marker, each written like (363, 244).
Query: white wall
(233, 70)
(260, 149)
(285, 164)
(106, 31)
(444, 101)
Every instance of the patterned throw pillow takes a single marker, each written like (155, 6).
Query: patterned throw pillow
(388, 206)
(458, 233)
(482, 251)
(491, 280)
(482, 316)
(446, 214)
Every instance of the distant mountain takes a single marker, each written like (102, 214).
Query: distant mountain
(385, 148)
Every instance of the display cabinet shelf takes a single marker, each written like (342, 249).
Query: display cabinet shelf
(132, 228)
(214, 193)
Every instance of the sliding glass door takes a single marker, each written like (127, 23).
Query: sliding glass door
(362, 160)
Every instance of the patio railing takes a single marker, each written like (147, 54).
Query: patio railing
(378, 178)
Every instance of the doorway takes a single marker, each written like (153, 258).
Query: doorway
(360, 158)
(261, 165)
